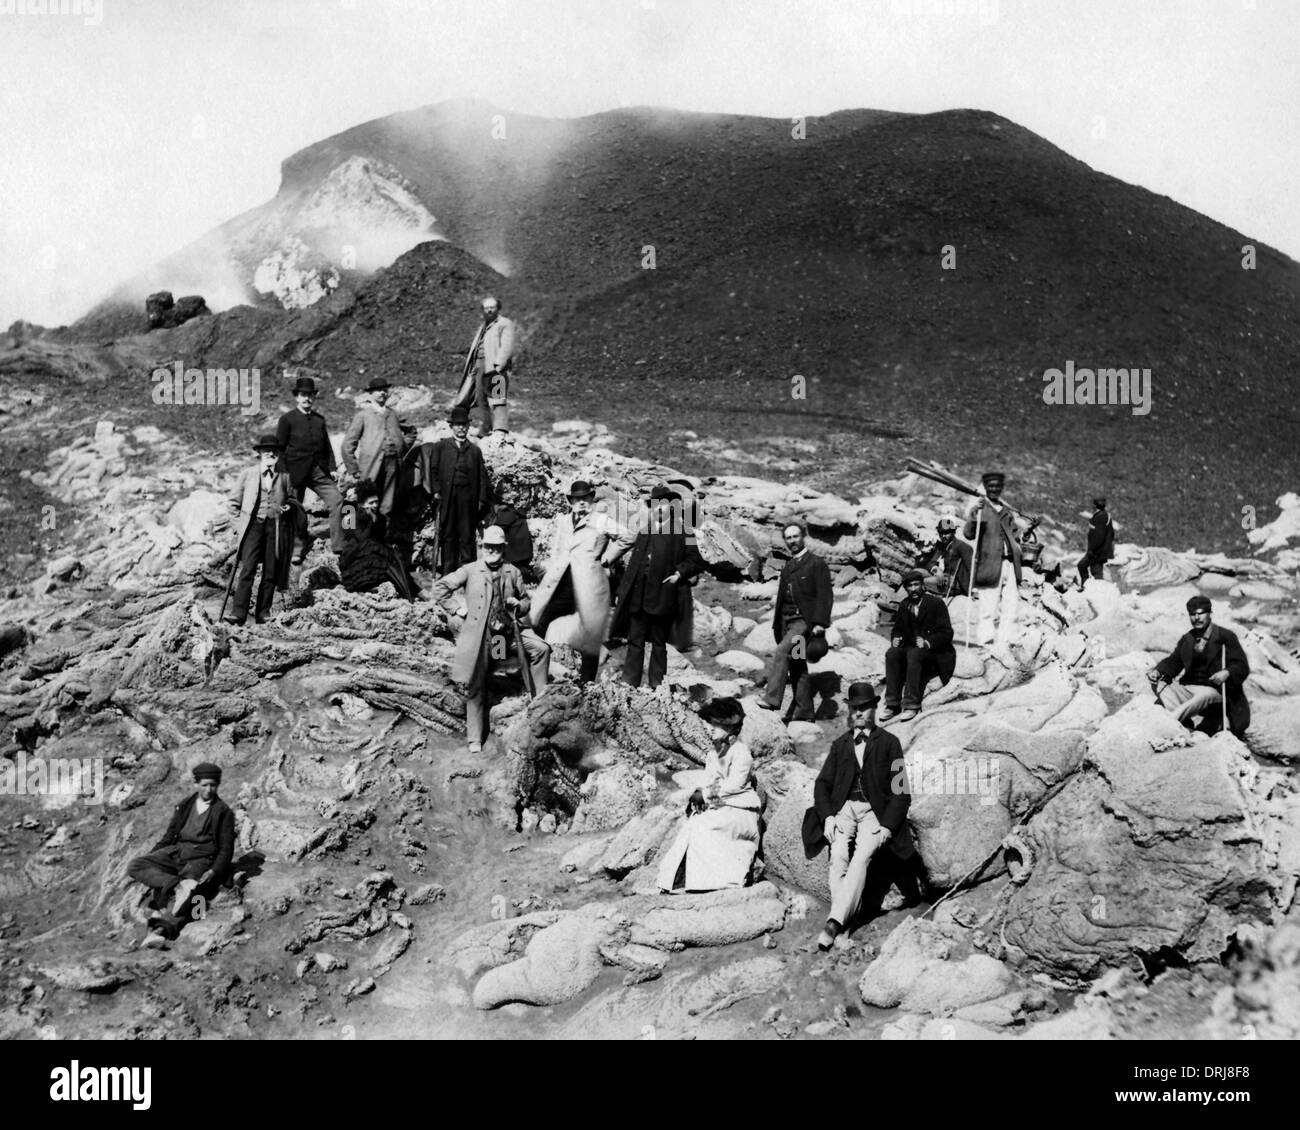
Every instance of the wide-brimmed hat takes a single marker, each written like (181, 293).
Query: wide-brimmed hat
(267, 441)
(304, 384)
(582, 489)
(206, 771)
(377, 384)
(458, 415)
(862, 694)
(494, 535)
(724, 712)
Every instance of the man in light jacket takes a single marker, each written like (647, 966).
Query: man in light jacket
(997, 561)
(485, 379)
(259, 507)
(373, 444)
(494, 594)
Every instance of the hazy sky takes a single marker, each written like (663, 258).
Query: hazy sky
(133, 127)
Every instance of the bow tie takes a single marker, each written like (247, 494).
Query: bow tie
(859, 736)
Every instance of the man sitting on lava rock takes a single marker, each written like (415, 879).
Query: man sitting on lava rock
(1214, 668)
(191, 860)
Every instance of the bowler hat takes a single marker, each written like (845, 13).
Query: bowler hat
(724, 712)
(458, 415)
(377, 383)
(663, 491)
(815, 648)
(206, 771)
(494, 535)
(267, 442)
(1099, 502)
(861, 694)
(913, 575)
(304, 384)
(581, 489)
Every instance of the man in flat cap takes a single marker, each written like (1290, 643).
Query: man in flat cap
(192, 859)
(992, 528)
(921, 648)
(860, 803)
(309, 459)
(571, 604)
(259, 507)
(452, 471)
(485, 379)
(1213, 667)
(494, 595)
(1101, 544)
(654, 598)
(801, 617)
(373, 444)
(948, 563)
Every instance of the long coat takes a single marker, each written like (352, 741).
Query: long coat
(498, 340)
(435, 465)
(884, 780)
(216, 838)
(997, 533)
(476, 579)
(1101, 538)
(672, 554)
(373, 436)
(808, 577)
(933, 624)
(1222, 648)
(580, 557)
(243, 500)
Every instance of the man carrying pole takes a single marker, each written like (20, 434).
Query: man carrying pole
(996, 571)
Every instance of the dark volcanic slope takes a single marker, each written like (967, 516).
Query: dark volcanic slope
(822, 257)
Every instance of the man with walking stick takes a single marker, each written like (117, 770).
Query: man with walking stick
(259, 504)
(1213, 668)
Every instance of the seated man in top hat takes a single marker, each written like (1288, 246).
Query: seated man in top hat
(373, 444)
(922, 648)
(192, 859)
(1213, 666)
(260, 504)
(309, 459)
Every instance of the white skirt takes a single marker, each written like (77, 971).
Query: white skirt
(719, 846)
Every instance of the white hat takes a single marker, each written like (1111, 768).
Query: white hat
(494, 535)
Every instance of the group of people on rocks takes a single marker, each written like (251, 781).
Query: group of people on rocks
(861, 795)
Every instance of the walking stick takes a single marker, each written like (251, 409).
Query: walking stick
(230, 583)
(1223, 687)
(524, 668)
(974, 559)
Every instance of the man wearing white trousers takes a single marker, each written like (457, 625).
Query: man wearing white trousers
(992, 529)
(860, 803)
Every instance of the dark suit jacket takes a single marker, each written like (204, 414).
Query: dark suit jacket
(217, 839)
(1101, 538)
(884, 780)
(436, 463)
(654, 557)
(306, 441)
(1222, 647)
(933, 625)
(809, 579)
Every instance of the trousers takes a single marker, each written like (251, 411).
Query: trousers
(324, 488)
(1188, 702)
(907, 671)
(538, 653)
(489, 394)
(258, 548)
(656, 629)
(787, 664)
(999, 606)
(855, 838)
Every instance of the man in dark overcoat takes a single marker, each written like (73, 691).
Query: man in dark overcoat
(453, 472)
(1213, 666)
(800, 620)
(921, 648)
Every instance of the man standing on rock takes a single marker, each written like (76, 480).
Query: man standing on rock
(309, 456)
(948, 563)
(485, 380)
(259, 506)
(800, 620)
(860, 803)
(1213, 666)
(191, 860)
(571, 605)
(1101, 544)
(997, 561)
(654, 598)
(494, 594)
(373, 444)
(922, 648)
(453, 472)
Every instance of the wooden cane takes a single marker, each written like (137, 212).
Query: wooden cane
(974, 564)
(1223, 687)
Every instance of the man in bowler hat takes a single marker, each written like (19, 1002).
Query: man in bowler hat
(309, 458)
(453, 472)
(373, 444)
(259, 505)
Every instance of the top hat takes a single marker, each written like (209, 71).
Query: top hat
(267, 442)
(861, 694)
(494, 535)
(458, 415)
(581, 489)
(377, 383)
(304, 384)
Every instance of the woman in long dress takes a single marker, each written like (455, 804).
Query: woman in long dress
(718, 839)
